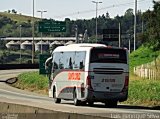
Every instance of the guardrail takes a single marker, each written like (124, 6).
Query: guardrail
(18, 66)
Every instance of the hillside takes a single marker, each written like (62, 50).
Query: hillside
(17, 17)
(142, 55)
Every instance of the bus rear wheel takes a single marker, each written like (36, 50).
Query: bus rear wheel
(56, 100)
(76, 101)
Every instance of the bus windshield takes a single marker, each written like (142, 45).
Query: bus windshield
(108, 55)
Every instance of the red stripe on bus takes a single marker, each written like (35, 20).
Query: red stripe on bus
(70, 71)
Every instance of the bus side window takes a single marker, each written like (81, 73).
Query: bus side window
(55, 62)
(79, 60)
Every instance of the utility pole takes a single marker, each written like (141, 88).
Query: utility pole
(41, 32)
(119, 34)
(76, 34)
(129, 44)
(96, 15)
(142, 26)
(85, 37)
(33, 35)
(135, 24)
(20, 34)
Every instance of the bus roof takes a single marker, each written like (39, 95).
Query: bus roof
(86, 45)
(78, 47)
(81, 47)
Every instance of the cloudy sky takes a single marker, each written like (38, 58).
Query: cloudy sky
(73, 9)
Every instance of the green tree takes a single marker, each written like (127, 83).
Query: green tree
(153, 26)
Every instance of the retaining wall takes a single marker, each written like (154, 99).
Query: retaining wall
(16, 111)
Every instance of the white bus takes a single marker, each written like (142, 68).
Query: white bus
(88, 73)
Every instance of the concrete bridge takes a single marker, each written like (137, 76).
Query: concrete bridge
(44, 42)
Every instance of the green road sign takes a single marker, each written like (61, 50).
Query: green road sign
(42, 59)
(52, 26)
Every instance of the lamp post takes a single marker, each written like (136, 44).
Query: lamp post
(96, 15)
(41, 32)
(33, 35)
(20, 34)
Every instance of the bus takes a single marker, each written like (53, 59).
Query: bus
(88, 73)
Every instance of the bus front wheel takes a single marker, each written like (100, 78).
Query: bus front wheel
(56, 100)
(76, 101)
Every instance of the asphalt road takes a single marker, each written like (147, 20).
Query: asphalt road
(17, 96)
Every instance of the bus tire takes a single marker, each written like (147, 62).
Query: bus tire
(76, 101)
(111, 104)
(56, 100)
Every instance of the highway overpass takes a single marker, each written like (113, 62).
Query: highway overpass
(46, 42)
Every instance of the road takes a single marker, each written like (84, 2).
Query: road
(17, 96)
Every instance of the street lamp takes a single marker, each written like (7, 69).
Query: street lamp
(41, 32)
(96, 15)
(20, 34)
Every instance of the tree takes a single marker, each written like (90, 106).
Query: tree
(153, 26)
(107, 15)
(9, 11)
(129, 12)
(3, 43)
(14, 11)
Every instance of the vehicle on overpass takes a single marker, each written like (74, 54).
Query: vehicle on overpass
(88, 73)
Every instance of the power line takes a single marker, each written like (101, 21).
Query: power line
(104, 8)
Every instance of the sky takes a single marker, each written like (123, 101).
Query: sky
(73, 9)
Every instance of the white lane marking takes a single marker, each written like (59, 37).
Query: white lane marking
(25, 95)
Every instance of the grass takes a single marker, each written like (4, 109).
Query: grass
(143, 92)
(18, 17)
(32, 81)
(149, 91)
(141, 56)
(12, 57)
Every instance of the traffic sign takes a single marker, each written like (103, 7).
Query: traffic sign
(110, 34)
(42, 59)
(52, 26)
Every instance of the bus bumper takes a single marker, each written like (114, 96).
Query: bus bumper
(104, 96)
